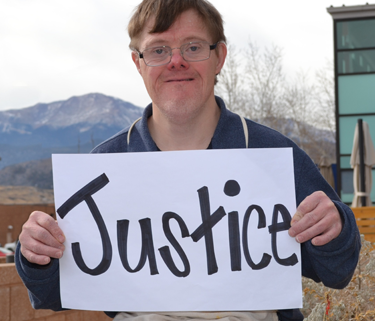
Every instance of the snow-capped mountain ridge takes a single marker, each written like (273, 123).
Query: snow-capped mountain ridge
(70, 126)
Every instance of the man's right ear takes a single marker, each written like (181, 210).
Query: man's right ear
(135, 58)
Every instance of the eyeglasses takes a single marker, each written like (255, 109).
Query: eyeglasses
(191, 51)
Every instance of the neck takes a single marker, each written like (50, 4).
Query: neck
(190, 134)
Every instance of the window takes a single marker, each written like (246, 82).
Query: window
(356, 94)
(358, 61)
(356, 34)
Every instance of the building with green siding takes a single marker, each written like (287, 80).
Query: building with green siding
(354, 56)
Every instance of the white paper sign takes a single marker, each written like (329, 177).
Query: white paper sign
(178, 231)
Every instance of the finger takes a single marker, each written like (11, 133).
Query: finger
(333, 230)
(306, 209)
(296, 217)
(48, 247)
(36, 236)
(321, 229)
(307, 221)
(310, 203)
(39, 239)
(36, 252)
(309, 230)
(49, 224)
(36, 258)
(326, 237)
(33, 232)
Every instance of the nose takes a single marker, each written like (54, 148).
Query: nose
(177, 60)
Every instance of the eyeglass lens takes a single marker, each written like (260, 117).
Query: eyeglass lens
(192, 51)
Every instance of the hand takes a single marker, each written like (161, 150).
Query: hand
(316, 219)
(41, 239)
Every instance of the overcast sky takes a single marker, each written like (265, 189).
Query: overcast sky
(52, 50)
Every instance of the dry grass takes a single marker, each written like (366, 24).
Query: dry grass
(355, 302)
(10, 195)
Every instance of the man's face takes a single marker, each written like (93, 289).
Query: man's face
(180, 90)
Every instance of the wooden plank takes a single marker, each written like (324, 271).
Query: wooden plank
(367, 230)
(370, 237)
(368, 210)
(365, 218)
(365, 215)
(365, 222)
(362, 224)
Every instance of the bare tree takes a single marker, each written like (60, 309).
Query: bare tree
(325, 97)
(299, 106)
(265, 81)
(231, 83)
(255, 86)
(309, 118)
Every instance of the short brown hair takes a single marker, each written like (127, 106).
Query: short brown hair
(167, 11)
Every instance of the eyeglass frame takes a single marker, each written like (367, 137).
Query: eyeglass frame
(212, 47)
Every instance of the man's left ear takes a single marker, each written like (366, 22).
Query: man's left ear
(135, 58)
(221, 52)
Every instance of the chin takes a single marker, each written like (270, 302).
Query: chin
(180, 109)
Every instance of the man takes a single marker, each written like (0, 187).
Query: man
(178, 48)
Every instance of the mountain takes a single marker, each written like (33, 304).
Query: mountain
(74, 125)
(318, 143)
(29, 136)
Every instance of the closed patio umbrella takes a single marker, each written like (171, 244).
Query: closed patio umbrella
(325, 166)
(362, 189)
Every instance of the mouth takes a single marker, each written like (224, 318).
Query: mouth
(180, 80)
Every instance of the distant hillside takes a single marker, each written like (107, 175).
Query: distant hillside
(316, 142)
(37, 174)
(75, 125)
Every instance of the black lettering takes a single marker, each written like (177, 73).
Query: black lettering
(232, 188)
(234, 241)
(85, 194)
(147, 250)
(279, 227)
(205, 229)
(165, 251)
(261, 224)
